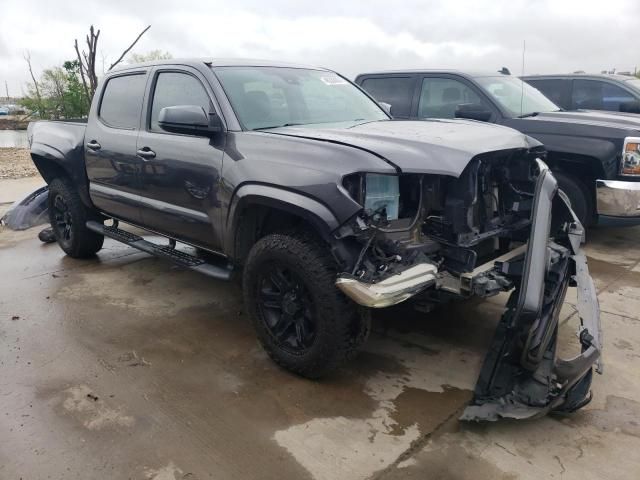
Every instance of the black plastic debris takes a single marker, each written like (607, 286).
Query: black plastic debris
(28, 212)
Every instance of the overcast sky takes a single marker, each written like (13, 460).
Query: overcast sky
(350, 36)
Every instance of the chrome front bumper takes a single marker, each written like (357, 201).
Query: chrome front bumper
(392, 290)
(618, 198)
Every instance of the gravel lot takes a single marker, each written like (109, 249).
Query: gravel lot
(16, 163)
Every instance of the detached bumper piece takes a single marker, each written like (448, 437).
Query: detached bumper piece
(521, 376)
(392, 290)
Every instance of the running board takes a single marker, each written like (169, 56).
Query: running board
(163, 251)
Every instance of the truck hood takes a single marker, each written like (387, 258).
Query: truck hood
(584, 120)
(442, 147)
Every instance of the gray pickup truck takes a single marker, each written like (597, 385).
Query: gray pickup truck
(298, 180)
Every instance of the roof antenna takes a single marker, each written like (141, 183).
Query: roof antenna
(524, 49)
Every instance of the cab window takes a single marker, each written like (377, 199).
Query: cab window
(555, 89)
(440, 97)
(121, 102)
(396, 91)
(596, 95)
(175, 88)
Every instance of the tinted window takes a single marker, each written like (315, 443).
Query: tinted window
(172, 89)
(122, 101)
(269, 97)
(555, 89)
(396, 91)
(440, 97)
(595, 95)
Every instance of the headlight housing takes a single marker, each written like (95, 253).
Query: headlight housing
(375, 192)
(630, 164)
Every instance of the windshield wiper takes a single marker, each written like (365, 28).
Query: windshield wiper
(280, 126)
(530, 114)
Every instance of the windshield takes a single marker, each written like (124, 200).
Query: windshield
(268, 97)
(515, 96)
(635, 83)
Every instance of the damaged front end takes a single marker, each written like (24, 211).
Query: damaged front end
(501, 226)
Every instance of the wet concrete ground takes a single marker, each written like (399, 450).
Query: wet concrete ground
(127, 367)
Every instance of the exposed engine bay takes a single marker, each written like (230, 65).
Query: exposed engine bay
(455, 225)
(501, 226)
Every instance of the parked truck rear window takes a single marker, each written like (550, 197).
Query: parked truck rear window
(396, 91)
(122, 101)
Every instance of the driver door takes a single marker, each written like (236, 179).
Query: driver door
(180, 172)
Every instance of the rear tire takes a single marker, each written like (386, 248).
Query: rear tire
(579, 196)
(302, 320)
(68, 217)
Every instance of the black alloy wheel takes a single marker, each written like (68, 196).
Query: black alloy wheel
(63, 221)
(286, 309)
(303, 321)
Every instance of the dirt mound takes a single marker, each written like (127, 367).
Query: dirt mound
(16, 163)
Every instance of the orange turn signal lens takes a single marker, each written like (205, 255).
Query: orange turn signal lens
(631, 159)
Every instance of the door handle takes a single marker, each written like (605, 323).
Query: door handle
(93, 145)
(146, 153)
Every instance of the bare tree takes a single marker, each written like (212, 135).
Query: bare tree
(129, 48)
(27, 58)
(87, 60)
(88, 63)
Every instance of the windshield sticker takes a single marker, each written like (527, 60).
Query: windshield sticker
(333, 80)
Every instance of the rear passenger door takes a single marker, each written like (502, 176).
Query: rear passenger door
(113, 168)
(180, 172)
(396, 90)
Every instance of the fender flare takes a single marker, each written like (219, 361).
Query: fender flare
(44, 155)
(316, 213)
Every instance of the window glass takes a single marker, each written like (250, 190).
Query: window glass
(270, 97)
(518, 98)
(173, 89)
(595, 95)
(122, 101)
(635, 83)
(555, 89)
(396, 91)
(440, 97)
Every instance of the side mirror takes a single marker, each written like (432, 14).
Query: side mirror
(386, 107)
(630, 107)
(473, 111)
(188, 119)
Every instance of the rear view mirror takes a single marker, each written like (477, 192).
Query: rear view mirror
(630, 107)
(473, 111)
(188, 119)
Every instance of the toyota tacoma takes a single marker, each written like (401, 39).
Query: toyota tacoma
(297, 179)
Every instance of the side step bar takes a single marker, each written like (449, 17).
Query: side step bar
(163, 251)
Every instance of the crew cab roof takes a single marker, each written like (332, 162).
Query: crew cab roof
(467, 74)
(592, 76)
(217, 62)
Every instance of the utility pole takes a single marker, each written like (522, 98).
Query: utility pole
(6, 89)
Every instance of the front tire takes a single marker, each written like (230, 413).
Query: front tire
(68, 217)
(302, 320)
(579, 196)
